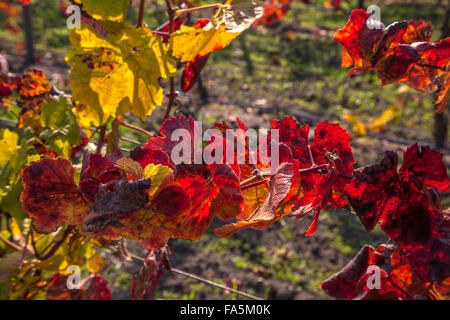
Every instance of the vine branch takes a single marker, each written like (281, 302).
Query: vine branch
(171, 95)
(208, 282)
(130, 126)
(11, 244)
(141, 14)
(101, 139)
(205, 7)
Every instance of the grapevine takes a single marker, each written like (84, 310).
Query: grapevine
(69, 191)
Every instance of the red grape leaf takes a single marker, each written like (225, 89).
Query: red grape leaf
(404, 276)
(370, 189)
(343, 284)
(431, 262)
(395, 65)
(51, 196)
(146, 155)
(427, 165)
(192, 71)
(97, 290)
(171, 201)
(349, 37)
(418, 31)
(144, 284)
(164, 142)
(97, 170)
(322, 191)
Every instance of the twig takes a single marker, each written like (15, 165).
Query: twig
(344, 175)
(171, 95)
(38, 141)
(141, 14)
(209, 282)
(113, 141)
(161, 33)
(22, 259)
(313, 168)
(260, 175)
(53, 249)
(101, 139)
(399, 288)
(8, 121)
(130, 126)
(433, 67)
(205, 7)
(131, 141)
(311, 158)
(11, 244)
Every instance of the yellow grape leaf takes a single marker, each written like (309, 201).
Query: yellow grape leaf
(113, 10)
(390, 115)
(131, 166)
(117, 73)
(15, 230)
(189, 42)
(8, 145)
(239, 15)
(157, 174)
(358, 126)
(95, 263)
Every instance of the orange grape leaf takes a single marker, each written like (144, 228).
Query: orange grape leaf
(51, 196)
(221, 196)
(268, 212)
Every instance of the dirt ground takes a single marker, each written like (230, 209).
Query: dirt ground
(299, 76)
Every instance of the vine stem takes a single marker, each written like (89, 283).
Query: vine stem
(53, 249)
(205, 7)
(431, 66)
(38, 141)
(11, 244)
(141, 14)
(398, 287)
(171, 95)
(114, 138)
(250, 182)
(208, 282)
(130, 126)
(101, 139)
(311, 158)
(24, 250)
